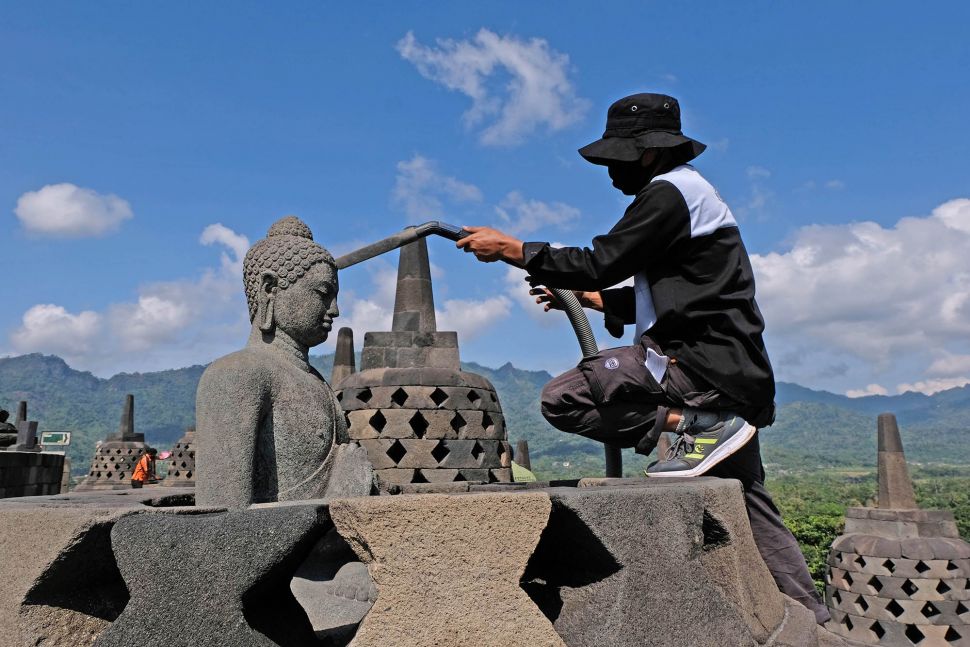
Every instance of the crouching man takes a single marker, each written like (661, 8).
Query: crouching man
(699, 368)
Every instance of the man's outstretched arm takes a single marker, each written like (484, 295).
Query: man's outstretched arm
(657, 219)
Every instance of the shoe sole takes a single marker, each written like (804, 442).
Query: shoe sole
(733, 444)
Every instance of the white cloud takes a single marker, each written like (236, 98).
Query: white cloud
(760, 196)
(812, 185)
(950, 365)
(420, 188)
(537, 92)
(172, 323)
(955, 213)
(70, 211)
(236, 243)
(424, 193)
(50, 328)
(888, 296)
(517, 291)
(930, 387)
(472, 318)
(375, 312)
(519, 215)
(871, 389)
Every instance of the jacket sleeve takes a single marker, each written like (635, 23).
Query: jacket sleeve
(657, 220)
(619, 309)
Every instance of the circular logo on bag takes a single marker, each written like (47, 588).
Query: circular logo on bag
(612, 364)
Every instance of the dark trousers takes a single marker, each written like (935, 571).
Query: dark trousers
(610, 397)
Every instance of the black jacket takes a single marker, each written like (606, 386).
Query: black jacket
(698, 295)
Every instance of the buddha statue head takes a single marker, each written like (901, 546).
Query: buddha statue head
(291, 284)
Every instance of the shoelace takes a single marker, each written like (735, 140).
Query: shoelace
(683, 445)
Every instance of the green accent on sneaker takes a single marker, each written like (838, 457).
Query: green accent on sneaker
(708, 438)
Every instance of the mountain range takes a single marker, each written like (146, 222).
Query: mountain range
(813, 430)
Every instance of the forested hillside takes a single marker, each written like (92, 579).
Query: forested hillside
(814, 429)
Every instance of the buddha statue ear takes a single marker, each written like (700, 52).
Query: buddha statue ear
(265, 317)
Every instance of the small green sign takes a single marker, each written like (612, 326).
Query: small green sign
(55, 438)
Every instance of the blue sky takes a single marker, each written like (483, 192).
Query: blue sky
(143, 146)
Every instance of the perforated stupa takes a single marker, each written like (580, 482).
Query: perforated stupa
(899, 574)
(420, 417)
(115, 458)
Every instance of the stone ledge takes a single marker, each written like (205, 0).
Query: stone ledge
(623, 563)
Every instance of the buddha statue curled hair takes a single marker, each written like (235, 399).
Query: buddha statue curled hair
(288, 251)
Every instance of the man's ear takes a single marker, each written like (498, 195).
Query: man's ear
(264, 301)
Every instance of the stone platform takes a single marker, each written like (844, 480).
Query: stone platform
(619, 562)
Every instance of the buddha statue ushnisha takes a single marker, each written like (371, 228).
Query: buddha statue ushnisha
(269, 427)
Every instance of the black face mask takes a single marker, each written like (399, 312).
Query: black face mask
(629, 177)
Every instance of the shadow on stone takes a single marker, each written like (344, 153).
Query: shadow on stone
(171, 501)
(568, 555)
(82, 588)
(714, 533)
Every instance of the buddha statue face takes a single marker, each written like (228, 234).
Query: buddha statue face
(306, 309)
(291, 284)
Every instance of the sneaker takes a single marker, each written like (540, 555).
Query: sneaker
(704, 439)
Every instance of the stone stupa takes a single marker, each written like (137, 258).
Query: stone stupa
(899, 574)
(181, 464)
(115, 458)
(419, 416)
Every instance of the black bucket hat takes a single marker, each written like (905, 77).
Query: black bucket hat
(636, 123)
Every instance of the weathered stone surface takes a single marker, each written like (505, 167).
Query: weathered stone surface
(895, 487)
(344, 360)
(414, 299)
(427, 376)
(388, 478)
(30, 473)
(522, 454)
(447, 568)
(351, 474)
(229, 579)
(60, 583)
(126, 428)
(268, 423)
(419, 350)
(637, 562)
(57, 563)
(618, 562)
(26, 437)
(797, 629)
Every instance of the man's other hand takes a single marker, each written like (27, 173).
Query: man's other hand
(548, 301)
(490, 245)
